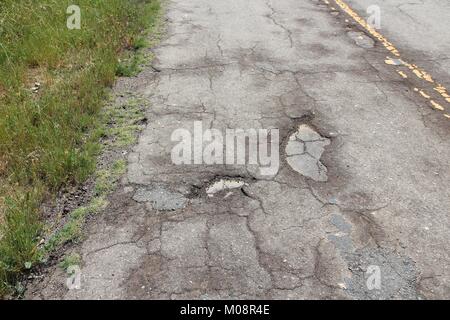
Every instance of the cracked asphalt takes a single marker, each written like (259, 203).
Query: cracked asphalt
(373, 192)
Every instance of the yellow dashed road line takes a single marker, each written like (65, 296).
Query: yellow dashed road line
(423, 94)
(402, 74)
(418, 72)
(436, 105)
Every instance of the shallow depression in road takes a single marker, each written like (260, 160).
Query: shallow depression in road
(160, 198)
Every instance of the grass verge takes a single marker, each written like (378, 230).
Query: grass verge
(52, 87)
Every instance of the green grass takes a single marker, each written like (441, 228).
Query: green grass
(72, 259)
(47, 137)
(72, 229)
(125, 119)
(107, 178)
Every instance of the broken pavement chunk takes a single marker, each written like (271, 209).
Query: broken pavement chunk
(224, 184)
(304, 150)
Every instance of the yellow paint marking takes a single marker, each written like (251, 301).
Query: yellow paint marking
(424, 94)
(447, 115)
(393, 62)
(437, 105)
(427, 77)
(402, 74)
(366, 26)
(389, 61)
(420, 73)
(440, 89)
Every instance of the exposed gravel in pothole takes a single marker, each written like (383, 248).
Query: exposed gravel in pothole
(160, 198)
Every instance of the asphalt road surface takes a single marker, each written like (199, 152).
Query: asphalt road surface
(359, 208)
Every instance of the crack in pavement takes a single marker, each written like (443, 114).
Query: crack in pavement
(272, 18)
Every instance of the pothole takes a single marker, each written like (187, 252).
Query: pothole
(303, 152)
(361, 39)
(160, 198)
(224, 185)
(396, 272)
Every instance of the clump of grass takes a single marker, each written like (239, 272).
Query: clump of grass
(133, 59)
(131, 66)
(119, 125)
(20, 232)
(72, 229)
(47, 137)
(125, 119)
(107, 178)
(72, 259)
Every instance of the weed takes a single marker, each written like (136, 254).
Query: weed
(72, 259)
